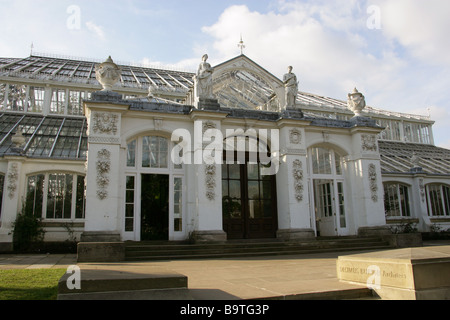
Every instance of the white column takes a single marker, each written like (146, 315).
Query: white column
(208, 180)
(103, 178)
(365, 181)
(294, 219)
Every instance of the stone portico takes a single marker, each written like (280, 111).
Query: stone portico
(327, 179)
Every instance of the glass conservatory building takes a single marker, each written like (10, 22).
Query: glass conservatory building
(104, 165)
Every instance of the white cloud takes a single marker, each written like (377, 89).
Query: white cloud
(97, 30)
(421, 26)
(332, 50)
(322, 41)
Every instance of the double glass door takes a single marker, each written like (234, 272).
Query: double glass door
(248, 202)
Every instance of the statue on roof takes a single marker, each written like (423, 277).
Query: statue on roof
(203, 84)
(107, 74)
(291, 88)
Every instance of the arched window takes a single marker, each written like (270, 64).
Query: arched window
(154, 152)
(438, 200)
(56, 196)
(325, 162)
(396, 200)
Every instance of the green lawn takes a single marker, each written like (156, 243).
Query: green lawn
(30, 284)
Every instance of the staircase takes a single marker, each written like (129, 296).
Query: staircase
(148, 251)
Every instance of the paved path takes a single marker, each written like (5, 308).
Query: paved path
(224, 279)
(232, 278)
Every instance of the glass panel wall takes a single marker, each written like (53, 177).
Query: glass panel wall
(56, 196)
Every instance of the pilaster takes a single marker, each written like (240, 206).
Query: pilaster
(103, 185)
(208, 171)
(12, 205)
(294, 221)
(365, 179)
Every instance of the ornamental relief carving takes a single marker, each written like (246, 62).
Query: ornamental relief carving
(13, 175)
(210, 181)
(369, 142)
(422, 189)
(104, 123)
(297, 173)
(295, 136)
(103, 168)
(373, 182)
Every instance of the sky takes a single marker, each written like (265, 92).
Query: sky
(396, 52)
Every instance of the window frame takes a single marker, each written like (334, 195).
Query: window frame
(400, 200)
(43, 206)
(443, 196)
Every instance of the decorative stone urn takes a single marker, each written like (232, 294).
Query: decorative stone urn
(356, 102)
(18, 139)
(108, 74)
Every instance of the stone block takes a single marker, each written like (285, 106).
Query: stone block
(404, 240)
(208, 104)
(100, 236)
(101, 251)
(401, 274)
(209, 236)
(295, 234)
(374, 231)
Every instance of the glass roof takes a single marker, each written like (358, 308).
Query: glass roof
(396, 157)
(46, 137)
(245, 90)
(236, 89)
(84, 72)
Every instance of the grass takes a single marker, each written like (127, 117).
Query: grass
(30, 284)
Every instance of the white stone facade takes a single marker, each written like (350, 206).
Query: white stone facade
(333, 176)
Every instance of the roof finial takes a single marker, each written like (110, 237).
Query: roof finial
(31, 49)
(241, 45)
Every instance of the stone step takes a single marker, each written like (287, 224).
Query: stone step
(149, 251)
(97, 283)
(166, 246)
(230, 249)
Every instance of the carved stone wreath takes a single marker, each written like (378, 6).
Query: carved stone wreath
(210, 181)
(295, 136)
(373, 182)
(104, 123)
(103, 169)
(369, 142)
(298, 179)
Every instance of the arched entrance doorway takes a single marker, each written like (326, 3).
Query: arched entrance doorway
(328, 185)
(154, 202)
(249, 199)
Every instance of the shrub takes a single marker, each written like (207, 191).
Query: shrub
(28, 232)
